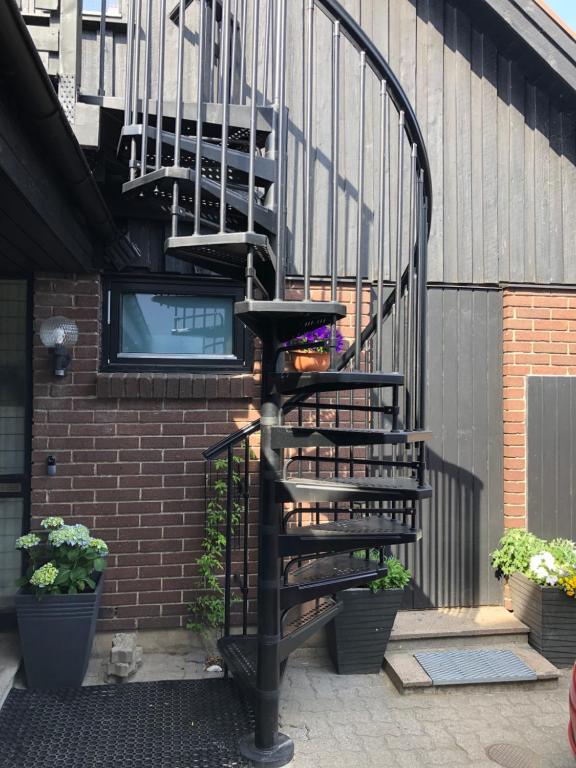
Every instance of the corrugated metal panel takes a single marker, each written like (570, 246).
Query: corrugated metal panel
(551, 444)
(464, 520)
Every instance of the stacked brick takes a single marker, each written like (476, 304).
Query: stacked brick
(539, 340)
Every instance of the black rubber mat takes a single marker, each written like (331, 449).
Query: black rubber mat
(177, 724)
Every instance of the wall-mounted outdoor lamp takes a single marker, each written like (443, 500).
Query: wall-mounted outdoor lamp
(58, 334)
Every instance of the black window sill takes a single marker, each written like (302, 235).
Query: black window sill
(174, 386)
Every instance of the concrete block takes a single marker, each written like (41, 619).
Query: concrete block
(125, 656)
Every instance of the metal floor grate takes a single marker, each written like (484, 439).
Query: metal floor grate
(474, 667)
(176, 724)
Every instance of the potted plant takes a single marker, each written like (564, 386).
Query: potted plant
(58, 601)
(311, 352)
(358, 636)
(542, 579)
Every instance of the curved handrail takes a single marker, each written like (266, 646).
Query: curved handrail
(354, 32)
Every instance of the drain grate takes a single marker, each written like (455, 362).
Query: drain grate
(176, 724)
(513, 756)
(474, 667)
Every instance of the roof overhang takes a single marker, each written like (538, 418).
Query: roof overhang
(52, 213)
(525, 31)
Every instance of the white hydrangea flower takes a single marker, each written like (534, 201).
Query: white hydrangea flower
(52, 522)
(28, 541)
(45, 576)
(545, 569)
(72, 535)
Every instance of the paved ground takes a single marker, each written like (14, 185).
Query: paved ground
(363, 722)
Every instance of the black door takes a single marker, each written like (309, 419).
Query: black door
(15, 346)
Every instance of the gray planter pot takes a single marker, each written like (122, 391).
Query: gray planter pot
(551, 616)
(358, 636)
(56, 636)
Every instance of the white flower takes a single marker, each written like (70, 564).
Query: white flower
(544, 567)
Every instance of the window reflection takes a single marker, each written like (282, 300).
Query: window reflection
(156, 324)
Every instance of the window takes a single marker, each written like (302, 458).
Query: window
(156, 324)
(95, 6)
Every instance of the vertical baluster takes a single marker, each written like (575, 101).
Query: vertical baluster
(267, 52)
(135, 86)
(228, 564)
(422, 330)
(102, 41)
(409, 343)
(252, 149)
(199, 122)
(280, 148)
(399, 232)
(160, 94)
(245, 581)
(381, 228)
(225, 113)
(335, 179)
(129, 64)
(244, 23)
(146, 96)
(212, 49)
(179, 108)
(308, 170)
(234, 47)
(359, 243)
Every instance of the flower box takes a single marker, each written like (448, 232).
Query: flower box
(551, 616)
(358, 636)
(56, 636)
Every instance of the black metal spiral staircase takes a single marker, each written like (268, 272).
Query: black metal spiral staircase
(342, 452)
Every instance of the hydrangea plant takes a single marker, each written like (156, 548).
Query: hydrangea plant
(62, 558)
(549, 564)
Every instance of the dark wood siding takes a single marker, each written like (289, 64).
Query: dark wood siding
(551, 444)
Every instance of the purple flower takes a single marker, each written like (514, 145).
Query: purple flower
(318, 340)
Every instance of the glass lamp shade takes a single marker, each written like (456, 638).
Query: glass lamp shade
(58, 330)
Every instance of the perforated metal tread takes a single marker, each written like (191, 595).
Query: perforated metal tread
(379, 530)
(237, 160)
(312, 437)
(351, 489)
(236, 199)
(287, 319)
(333, 381)
(176, 724)
(301, 622)
(474, 667)
(327, 575)
(226, 253)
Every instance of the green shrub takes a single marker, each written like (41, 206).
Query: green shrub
(516, 548)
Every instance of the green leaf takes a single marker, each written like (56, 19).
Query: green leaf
(91, 583)
(99, 564)
(72, 590)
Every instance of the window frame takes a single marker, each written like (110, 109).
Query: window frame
(115, 285)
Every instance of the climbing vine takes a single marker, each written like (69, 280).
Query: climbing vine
(207, 610)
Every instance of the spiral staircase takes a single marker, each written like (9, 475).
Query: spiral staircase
(342, 461)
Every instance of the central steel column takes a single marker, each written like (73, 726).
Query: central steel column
(266, 746)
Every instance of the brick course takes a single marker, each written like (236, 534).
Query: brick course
(539, 340)
(129, 464)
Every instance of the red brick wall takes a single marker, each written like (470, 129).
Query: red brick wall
(129, 465)
(539, 340)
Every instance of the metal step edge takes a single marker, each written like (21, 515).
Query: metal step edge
(311, 437)
(324, 491)
(293, 640)
(264, 167)
(265, 217)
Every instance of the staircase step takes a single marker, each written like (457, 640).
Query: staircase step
(409, 676)
(227, 254)
(303, 621)
(237, 160)
(333, 381)
(327, 575)
(319, 437)
(346, 534)
(240, 652)
(287, 319)
(351, 489)
(9, 662)
(164, 178)
(238, 118)
(457, 628)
